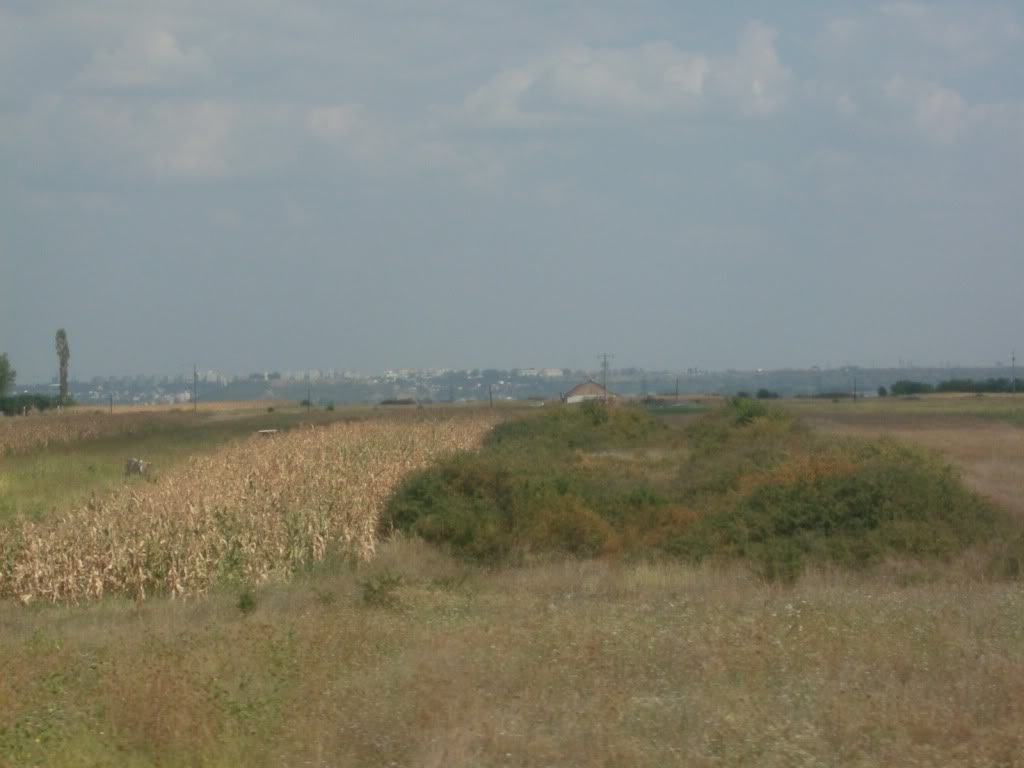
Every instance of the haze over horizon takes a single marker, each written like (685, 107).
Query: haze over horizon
(297, 184)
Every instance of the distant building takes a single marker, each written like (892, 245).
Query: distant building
(588, 390)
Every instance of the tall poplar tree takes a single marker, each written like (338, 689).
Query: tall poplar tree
(63, 355)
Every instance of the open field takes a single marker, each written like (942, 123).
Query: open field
(982, 436)
(923, 409)
(629, 657)
(215, 406)
(418, 660)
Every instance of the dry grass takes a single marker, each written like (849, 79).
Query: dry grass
(566, 663)
(22, 434)
(216, 406)
(922, 409)
(258, 508)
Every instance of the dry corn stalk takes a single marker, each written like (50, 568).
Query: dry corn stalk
(255, 509)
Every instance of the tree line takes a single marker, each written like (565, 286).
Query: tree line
(992, 385)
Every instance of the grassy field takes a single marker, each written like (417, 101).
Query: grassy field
(926, 410)
(623, 655)
(419, 660)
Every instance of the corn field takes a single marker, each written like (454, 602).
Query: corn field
(257, 509)
(21, 434)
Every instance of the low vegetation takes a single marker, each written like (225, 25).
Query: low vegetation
(747, 481)
(710, 589)
(421, 660)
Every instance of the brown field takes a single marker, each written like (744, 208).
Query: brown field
(201, 407)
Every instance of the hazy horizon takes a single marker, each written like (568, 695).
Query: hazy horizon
(278, 185)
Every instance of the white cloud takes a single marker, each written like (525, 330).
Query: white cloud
(940, 113)
(756, 78)
(335, 123)
(965, 39)
(151, 58)
(838, 34)
(499, 100)
(650, 78)
(385, 146)
(191, 140)
(353, 128)
(846, 105)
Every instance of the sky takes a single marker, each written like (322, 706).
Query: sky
(285, 184)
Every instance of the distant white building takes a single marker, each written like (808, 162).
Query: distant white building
(588, 390)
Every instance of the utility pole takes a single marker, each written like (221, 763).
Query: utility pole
(603, 357)
(451, 387)
(195, 389)
(309, 399)
(490, 394)
(1013, 376)
(677, 389)
(111, 403)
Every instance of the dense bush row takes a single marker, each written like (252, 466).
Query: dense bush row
(749, 482)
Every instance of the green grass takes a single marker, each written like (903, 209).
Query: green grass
(55, 479)
(669, 408)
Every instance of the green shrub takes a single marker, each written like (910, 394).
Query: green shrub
(596, 411)
(382, 591)
(246, 602)
(568, 525)
(757, 485)
(892, 501)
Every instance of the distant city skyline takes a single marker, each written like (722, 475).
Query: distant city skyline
(215, 375)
